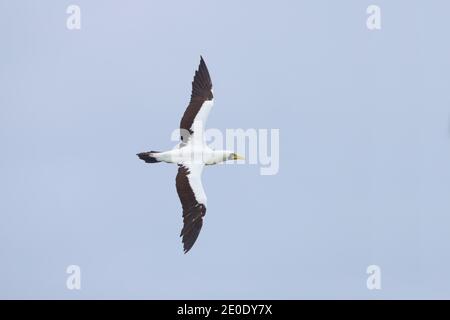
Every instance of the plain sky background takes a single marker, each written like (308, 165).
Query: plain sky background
(364, 149)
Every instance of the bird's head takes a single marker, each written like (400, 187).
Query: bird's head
(235, 156)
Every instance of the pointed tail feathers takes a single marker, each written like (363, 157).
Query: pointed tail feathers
(149, 157)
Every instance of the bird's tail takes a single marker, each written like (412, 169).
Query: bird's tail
(149, 157)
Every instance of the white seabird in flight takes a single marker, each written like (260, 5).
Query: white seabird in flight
(191, 155)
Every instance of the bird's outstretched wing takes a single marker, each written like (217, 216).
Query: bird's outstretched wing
(193, 201)
(202, 100)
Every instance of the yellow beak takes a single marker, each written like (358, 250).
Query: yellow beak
(239, 157)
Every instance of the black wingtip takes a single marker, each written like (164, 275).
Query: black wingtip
(186, 248)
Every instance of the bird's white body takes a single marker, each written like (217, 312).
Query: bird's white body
(192, 153)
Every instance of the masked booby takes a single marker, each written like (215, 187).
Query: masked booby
(191, 155)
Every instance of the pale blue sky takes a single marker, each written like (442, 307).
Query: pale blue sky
(364, 157)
